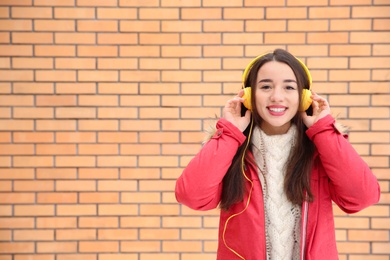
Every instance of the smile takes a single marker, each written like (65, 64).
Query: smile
(277, 109)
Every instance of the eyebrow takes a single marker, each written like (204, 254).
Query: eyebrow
(286, 80)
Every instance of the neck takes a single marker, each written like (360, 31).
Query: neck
(272, 130)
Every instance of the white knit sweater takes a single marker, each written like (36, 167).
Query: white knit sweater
(282, 217)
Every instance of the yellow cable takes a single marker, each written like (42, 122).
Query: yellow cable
(249, 195)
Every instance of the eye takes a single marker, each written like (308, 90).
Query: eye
(290, 88)
(265, 87)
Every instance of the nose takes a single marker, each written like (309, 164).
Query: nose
(277, 94)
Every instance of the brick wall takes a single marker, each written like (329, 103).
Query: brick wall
(103, 102)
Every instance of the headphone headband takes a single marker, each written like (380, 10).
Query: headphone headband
(249, 66)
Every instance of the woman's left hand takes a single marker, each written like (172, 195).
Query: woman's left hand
(320, 110)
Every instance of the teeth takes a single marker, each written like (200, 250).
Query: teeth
(277, 109)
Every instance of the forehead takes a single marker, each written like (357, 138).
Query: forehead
(275, 70)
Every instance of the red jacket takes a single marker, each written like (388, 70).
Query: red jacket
(339, 175)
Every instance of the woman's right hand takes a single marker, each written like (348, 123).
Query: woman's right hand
(232, 112)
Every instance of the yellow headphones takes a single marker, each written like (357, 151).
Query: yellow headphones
(306, 93)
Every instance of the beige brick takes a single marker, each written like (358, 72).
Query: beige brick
(381, 49)
(97, 51)
(364, 235)
(193, 234)
(350, 2)
(286, 13)
(36, 235)
(76, 257)
(222, 3)
(266, 26)
(140, 197)
(182, 246)
(377, 62)
(116, 13)
(49, 3)
(158, 13)
(117, 38)
(98, 222)
(17, 247)
(140, 222)
(243, 13)
(54, 25)
(353, 247)
(57, 173)
(38, 38)
(307, 25)
(56, 197)
(117, 234)
(152, 63)
(381, 247)
(242, 38)
(370, 11)
(142, 246)
(380, 223)
(37, 88)
(203, 38)
(117, 210)
(16, 25)
(181, 51)
(223, 26)
(97, 25)
(18, 198)
(329, 12)
(56, 75)
(98, 197)
(375, 37)
(203, 13)
(282, 38)
(181, 26)
(120, 256)
(368, 257)
(327, 37)
(350, 25)
(163, 234)
(74, 13)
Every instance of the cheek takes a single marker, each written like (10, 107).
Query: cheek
(294, 99)
(259, 97)
(259, 101)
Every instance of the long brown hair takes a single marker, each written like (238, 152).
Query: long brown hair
(299, 164)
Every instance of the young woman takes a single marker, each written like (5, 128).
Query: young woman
(275, 169)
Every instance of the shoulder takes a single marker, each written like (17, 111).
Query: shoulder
(222, 127)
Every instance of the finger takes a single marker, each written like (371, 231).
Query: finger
(230, 104)
(237, 101)
(315, 107)
(240, 93)
(323, 103)
(304, 115)
(233, 105)
(306, 119)
(247, 114)
(317, 97)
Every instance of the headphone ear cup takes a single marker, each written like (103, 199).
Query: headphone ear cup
(247, 96)
(306, 100)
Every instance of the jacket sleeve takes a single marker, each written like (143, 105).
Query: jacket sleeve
(199, 186)
(352, 185)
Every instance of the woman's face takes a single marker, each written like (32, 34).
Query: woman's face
(277, 97)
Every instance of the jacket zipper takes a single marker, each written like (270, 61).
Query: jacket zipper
(304, 229)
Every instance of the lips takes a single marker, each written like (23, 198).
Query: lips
(277, 110)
